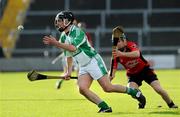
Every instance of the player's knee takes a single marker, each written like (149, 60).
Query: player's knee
(107, 89)
(82, 90)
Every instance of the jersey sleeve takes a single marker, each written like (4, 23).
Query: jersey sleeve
(79, 37)
(62, 40)
(133, 47)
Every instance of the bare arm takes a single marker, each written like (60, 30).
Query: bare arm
(50, 40)
(69, 65)
(133, 54)
(68, 71)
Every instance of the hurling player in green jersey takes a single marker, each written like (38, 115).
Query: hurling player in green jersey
(73, 41)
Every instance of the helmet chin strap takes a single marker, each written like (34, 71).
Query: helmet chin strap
(66, 25)
(60, 29)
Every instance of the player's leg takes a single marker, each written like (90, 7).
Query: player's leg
(84, 83)
(151, 78)
(60, 81)
(157, 87)
(135, 81)
(98, 71)
(75, 67)
(135, 93)
(133, 84)
(107, 86)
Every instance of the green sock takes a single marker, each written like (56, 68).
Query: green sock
(103, 105)
(131, 91)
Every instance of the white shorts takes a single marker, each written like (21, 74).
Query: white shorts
(95, 68)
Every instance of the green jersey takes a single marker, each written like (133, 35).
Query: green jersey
(84, 51)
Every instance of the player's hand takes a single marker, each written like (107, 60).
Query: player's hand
(114, 53)
(49, 40)
(117, 53)
(67, 76)
(111, 77)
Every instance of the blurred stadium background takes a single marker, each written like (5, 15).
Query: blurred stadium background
(153, 24)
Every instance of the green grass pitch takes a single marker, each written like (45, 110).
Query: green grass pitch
(22, 98)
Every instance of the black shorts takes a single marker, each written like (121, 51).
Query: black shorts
(147, 74)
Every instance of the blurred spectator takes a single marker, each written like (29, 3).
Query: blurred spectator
(1, 51)
(75, 22)
(2, 6)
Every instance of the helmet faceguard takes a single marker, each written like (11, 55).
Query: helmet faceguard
(67, 17)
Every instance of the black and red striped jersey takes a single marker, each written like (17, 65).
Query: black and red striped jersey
(132, 65)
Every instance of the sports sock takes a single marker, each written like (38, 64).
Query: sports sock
(103, 105)
(131, 91)
(171, 104)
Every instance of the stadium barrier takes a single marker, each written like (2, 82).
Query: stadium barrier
(44, 63)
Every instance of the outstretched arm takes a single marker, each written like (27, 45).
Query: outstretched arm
(133, 54)
(50, 40)
(69, 68)
(69, 65)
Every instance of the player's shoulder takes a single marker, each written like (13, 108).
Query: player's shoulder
(132, 44)
(62, 35)
(74, 30)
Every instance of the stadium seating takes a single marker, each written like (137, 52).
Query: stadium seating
(9, 22)
(140, 18)
(128, 21)
(3, 4)
(164, 20)
(166, 4)
(88, 5)
(38, 5)
(128, 4)
(39, 22)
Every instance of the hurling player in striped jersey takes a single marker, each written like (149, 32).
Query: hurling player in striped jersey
(138, 69)
(74, 42)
